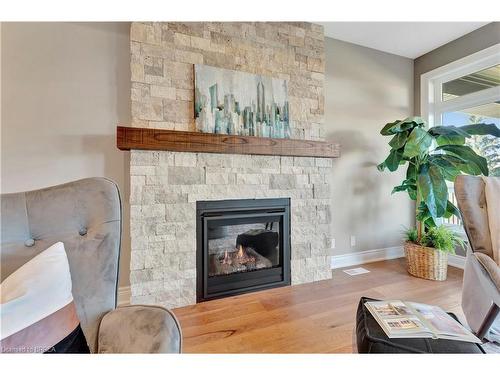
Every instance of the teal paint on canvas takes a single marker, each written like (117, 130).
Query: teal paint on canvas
(239, 103)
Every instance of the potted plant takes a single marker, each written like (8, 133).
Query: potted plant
(432, 157)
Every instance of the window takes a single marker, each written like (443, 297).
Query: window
(466, 91)
(484, 145)
(473, 82)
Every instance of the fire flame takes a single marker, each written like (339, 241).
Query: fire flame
(237, 258)
(241, 253)
(226, 259)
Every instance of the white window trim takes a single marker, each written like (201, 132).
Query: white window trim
(431, 105)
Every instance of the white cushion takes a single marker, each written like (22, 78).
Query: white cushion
(36, 290)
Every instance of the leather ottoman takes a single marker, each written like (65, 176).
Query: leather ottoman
(372, 339)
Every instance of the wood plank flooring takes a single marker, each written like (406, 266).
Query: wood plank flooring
(311, 318)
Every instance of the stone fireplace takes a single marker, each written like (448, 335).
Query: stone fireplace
(167, 186)
(242, 245)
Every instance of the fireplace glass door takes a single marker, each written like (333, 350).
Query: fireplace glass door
(242, 248)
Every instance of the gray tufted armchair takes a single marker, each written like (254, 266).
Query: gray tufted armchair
(86, 216)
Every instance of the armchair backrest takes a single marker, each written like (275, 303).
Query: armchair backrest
(86, 216)
(471, 200)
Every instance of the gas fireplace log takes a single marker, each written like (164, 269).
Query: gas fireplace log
(263, 241)
(237, 260)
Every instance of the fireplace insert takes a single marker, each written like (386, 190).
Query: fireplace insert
(243, 245)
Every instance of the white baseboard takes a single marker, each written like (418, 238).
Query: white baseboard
(376, 255)
(124, 294)
(368, 256)
(457, 261)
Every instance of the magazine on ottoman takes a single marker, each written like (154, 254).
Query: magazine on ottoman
(402, 319)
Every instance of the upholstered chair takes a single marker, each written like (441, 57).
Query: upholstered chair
(481, 288)
(86, 216)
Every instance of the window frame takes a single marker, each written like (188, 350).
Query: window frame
(432, 105)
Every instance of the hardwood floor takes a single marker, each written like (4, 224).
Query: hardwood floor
(311, 318)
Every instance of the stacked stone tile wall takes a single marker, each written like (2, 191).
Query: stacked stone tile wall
(163, 56)
(166, 185)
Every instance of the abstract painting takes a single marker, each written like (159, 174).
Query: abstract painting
(238, 103)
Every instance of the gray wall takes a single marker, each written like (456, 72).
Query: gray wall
(65, 87)
(468, 44)
(365, 89)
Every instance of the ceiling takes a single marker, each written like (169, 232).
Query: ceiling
(408, 39)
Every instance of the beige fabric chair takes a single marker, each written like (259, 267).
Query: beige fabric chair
(481, 288)
(86, 216)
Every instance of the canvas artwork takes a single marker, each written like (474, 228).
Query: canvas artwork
(232, 102)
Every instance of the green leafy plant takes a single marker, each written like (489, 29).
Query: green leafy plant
(440, 237)
(432, 157)
(443, 239)
(411, 235)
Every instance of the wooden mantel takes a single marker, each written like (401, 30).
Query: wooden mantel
(128, 138)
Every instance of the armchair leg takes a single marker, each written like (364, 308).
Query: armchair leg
(488, 321)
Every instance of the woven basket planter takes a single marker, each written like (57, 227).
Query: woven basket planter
(426, 262)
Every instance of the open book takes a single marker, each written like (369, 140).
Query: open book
(401, 319)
